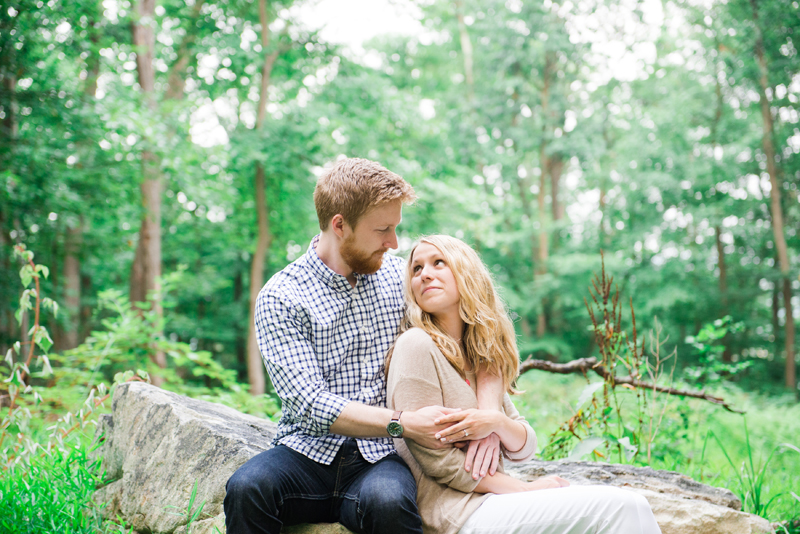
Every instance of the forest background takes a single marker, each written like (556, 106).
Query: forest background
(159, 158)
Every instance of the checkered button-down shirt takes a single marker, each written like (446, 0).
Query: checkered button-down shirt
(324, 344)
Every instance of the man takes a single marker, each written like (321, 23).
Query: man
(324, 324)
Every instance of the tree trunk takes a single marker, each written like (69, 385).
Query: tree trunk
(776, 308)
(775, 201)
(146, 269)
(71, 337)
(7, 321)
(466, 50)
(544, 164)
(176, 81)
(72, 285)
(556, 170)
(241, 341)
(723, 286)
(255, 365)
(723, 276)
(10, 120)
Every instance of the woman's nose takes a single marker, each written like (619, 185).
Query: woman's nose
(426, 273)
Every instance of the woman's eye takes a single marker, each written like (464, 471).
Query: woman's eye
(416, 269)
(439, 262)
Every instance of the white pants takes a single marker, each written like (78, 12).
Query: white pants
(570, 510)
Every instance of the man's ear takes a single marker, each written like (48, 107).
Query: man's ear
(338, 224)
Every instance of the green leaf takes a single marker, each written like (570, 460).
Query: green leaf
(43, 269)
(9, 357)
(585, 447)
(629, 448)
(42, 339)
(46, 369)
(587, 394)
(26, 275)
(51, 304)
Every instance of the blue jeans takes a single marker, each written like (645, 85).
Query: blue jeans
(282, 487)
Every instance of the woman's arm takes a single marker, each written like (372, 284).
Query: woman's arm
(484, 454)
(479, 424)
(501, 483)
(413, 383)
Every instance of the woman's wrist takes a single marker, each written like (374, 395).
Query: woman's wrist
(513, 434)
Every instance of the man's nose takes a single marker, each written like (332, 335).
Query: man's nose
(391, 242)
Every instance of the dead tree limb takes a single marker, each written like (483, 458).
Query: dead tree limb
(584, 365)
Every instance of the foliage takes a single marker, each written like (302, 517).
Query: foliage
(684, 443)
(752, 476)
(51, 470)
(712, 368)
(607, 421)
(539, 132)
(52, 494)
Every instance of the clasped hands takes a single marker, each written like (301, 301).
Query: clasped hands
(470, 428)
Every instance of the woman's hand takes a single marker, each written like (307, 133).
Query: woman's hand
(548, 482)
(483, 456)
(468, 424)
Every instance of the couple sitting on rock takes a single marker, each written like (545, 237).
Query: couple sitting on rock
(394, 378)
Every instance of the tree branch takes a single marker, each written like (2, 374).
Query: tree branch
(591, 364)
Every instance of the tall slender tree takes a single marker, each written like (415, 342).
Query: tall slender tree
(775, 197)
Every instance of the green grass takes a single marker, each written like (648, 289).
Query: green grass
(52, 494)
(739, 460)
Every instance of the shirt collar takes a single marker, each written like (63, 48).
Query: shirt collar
(325, 274)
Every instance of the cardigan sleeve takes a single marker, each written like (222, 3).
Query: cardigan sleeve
(414, 383)
(529, 449)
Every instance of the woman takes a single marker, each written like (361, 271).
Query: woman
(455, 325)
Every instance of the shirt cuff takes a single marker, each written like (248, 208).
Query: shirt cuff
(327, 409)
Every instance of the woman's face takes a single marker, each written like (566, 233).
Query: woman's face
(432, 282)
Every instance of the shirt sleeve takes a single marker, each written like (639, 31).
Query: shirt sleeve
(290, 359)
(529, 449)
(413, 383)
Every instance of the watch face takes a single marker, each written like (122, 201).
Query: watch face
(395, 429)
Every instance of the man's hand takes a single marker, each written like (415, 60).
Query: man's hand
(468, 424)
(483, 456)
(421, 426)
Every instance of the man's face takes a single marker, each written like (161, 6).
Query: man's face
(375, 233)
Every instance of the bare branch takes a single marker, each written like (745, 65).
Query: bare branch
(591, 364)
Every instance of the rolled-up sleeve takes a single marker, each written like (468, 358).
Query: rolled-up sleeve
(285, 344)
(413, 385)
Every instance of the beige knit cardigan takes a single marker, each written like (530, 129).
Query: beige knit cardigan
(419, 376)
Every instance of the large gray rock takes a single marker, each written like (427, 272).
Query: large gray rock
(680, 504)
(156, 445)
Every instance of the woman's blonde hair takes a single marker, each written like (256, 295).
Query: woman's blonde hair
(489, 339)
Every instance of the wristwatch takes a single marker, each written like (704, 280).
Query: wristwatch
(394, 428)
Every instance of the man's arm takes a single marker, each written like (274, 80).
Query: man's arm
(292, 364)
(361, 421)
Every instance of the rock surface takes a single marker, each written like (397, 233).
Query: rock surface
(156, 445)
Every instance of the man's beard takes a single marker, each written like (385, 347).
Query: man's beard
(361, 262)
